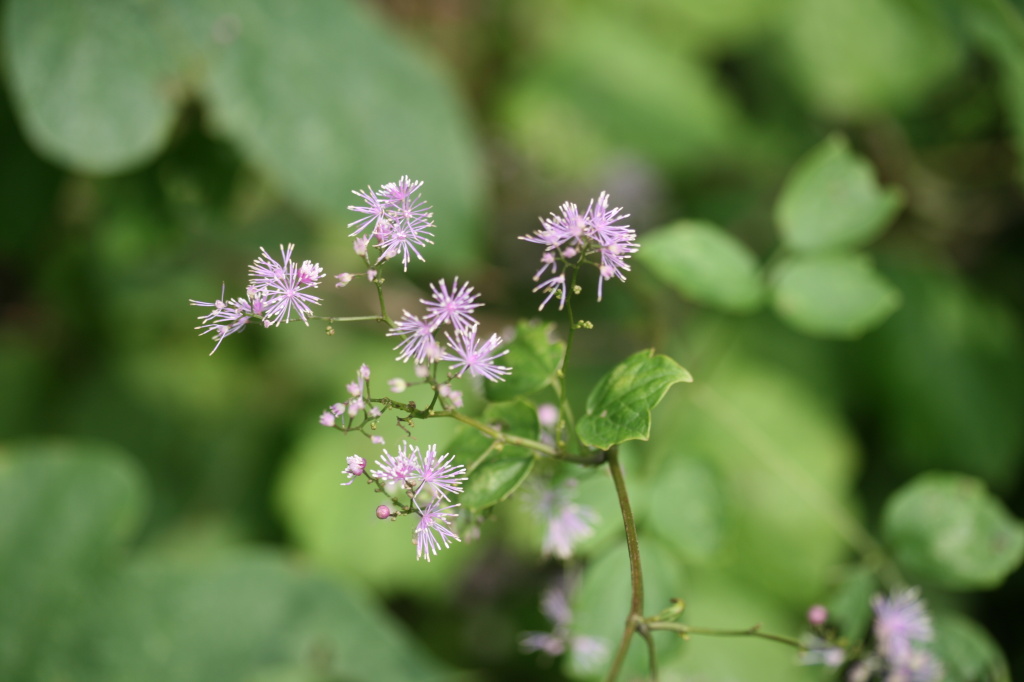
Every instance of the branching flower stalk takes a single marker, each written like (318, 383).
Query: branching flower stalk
(443, 342)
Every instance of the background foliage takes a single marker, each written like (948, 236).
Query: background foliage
(161, 510)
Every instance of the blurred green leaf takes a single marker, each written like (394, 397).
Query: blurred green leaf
(494, 481)
(706, 264)
(849, 606)
(967, 416)
(351, 103)
(947, 529)
(610, 83)
(715, 599)
(320, 96)
(65, 509)
(71, 612)
(93, 83)
(505, 469)
(968, 651)
(238, 616)
(858, 59)
(998, 28)
(602, 601)
(839, 296)
(686, 508)
(786, 459)
(533, 356)
(832, 200)
(619, 407)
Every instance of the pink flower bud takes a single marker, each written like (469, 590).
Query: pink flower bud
(817, 615)
(383, 512)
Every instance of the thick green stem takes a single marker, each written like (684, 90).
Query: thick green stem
(635, 620)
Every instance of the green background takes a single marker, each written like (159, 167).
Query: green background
(830, 195)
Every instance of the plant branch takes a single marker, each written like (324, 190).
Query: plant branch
(635, 620)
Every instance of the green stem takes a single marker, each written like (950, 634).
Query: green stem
(635, 620)
(358, 318)
(755, 631)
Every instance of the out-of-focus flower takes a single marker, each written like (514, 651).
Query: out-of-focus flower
(901, 622)
(588, 652)
(566, 522)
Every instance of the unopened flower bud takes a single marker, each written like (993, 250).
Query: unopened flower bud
(383, 512)
(817, 615)
(397, 385)
(360, 245)
(343, 279)
(371, 275)
(327, 419)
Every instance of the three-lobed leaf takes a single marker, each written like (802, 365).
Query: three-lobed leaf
(619, 407)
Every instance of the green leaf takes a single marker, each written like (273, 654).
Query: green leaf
(321, 96)
(969, 653)
(619, 407)
(844, 54)
(602, 602)
(64, 510)
(533, 356)
(706, 264)
(498, 476)
(349, 104)
(947, 529)
(686, 509)
(786, 459)
(494, 481)
(839, 296)
(237, 616)
(832, 200)
(969, 419)
(91, 82)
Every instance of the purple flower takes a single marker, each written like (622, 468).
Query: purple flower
(593, 237)
(567, 523)
(819, 651)
(901, 623)
(555, 286)
(434, 529)
(589, 652)
(227, 317)
(419, 343)
(282, 285)
(395, 468)
(467, 353)
(454, 307)
(356, 466)
(439, 474)
(400, 221)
